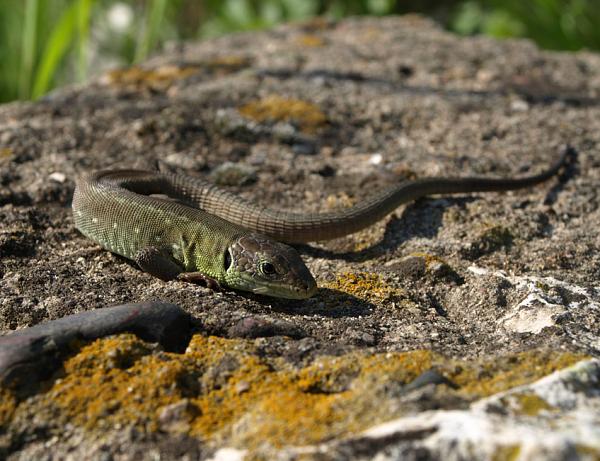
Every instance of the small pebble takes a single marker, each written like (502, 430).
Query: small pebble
(376, 159)
(57, 177)
(234, 174)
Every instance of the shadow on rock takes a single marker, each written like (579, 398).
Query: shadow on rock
(417, 220)
(326, 303)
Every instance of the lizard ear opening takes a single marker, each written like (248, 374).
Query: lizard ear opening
(228, 259)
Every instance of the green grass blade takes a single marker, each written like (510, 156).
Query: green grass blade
(151, 29)
(61, 37)
(28, 47)
(83, 34)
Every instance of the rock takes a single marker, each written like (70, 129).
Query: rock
(234, 174)
(176, 417)
(429, 377)
(34, 353)
(317, 378)
(252, 327)
(568, 428)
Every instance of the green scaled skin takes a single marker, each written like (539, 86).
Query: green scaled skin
(172, 240)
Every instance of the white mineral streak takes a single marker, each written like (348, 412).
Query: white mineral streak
(539, 308)
(228, 454)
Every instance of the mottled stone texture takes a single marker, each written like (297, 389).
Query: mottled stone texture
(441, 321)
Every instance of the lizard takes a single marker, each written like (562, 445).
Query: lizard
(203, 233)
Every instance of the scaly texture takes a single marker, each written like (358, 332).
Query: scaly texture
(112, 208)
(172, 240)
(204, 230)
(297, 227)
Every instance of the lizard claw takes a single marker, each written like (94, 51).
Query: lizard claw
(201, 279)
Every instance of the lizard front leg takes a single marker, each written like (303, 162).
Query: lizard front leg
(158, 263)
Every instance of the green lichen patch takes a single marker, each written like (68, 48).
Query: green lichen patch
(308, 116)
(224, 391)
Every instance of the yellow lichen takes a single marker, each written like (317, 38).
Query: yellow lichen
(306, 115)
(162, 77)
(245, 399)
(429, 259)
(159, 78)
(511, 371)
(530, 404)
(5, 152)
(310, 41)
(8, 404)
(587, 453)
(506, 453)
(365, 285)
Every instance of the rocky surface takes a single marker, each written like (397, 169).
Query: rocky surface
(459, 327)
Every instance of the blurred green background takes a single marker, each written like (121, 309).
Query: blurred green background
(48, 43)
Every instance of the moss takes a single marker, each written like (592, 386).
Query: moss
(507, 453)
(366, 285)
(246, 399)
(306, 115)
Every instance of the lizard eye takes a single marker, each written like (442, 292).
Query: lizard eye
(228, 259)
(267, 268)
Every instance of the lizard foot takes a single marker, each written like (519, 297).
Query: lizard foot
(199, 278)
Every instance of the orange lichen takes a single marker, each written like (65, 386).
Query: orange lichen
(310, 41)
(429, 259)
(516, 370)
(162, 77)
(366, 285)
(224, 391)
(8, 404)
(158, 79)
(306, 115)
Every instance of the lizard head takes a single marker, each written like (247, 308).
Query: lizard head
(261, 265)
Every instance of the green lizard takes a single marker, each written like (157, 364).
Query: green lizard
(204, 233)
